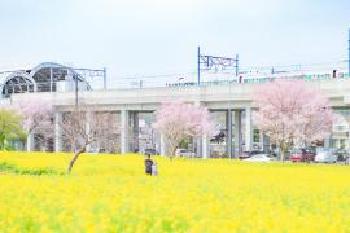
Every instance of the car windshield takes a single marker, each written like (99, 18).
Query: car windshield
(254, 152)
(341, 151)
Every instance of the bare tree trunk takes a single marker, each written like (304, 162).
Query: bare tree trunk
(2, 142)
(76, 156)
(282, 151)
(172, 145)
(171, 149)
(282, 154)
(173, 153)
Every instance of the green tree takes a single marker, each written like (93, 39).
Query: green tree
(10, 126)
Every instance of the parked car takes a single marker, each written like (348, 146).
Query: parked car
(325, 156)
(341, 155)
(93, 151)
(184, 153)
(302, 155)
(248, 154)
(258, 158)
(150, 152)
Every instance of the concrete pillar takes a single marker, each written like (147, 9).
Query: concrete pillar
(198, 140)
(87, 128)
(261, 140)
(205, 147)
(238, 133)
(248, 128)
(124, 131)
(29, 141)
(326, 142)
(58, 132)
(136, 132)
(158, 142)
(198, 146)
(266, 144)
(162, 145)
(229, 132)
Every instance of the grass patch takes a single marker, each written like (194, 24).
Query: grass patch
(13, 169)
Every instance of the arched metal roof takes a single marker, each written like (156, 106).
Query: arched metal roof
(6, 76)
(16, 82)
(50, 65)
(39, 76)
(70, 71)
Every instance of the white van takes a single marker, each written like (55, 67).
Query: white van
(325, 156)
(184, 153)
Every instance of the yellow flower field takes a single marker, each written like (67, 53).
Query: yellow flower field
(110, 193)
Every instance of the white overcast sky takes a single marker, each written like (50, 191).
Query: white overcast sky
(160, 36)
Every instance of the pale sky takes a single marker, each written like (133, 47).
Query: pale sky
(144, 37)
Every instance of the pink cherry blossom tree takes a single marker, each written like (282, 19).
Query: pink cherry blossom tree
(292, 113)
(178, 120)
(37, 117)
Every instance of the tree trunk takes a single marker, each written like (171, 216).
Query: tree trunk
(2, 142)
(76, 156)
(282, 154)
(171, 149)
(173, 153)
(282, 151)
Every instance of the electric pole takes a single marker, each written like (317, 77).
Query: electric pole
(214, 62)
(104, 79)
(199, 65)
(237, 64)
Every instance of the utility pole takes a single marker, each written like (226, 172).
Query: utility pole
(213, 62)
(104, 79)
(141, 84)
(199, 66)
(237, 64)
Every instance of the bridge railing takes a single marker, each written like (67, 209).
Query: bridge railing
(68, 86)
